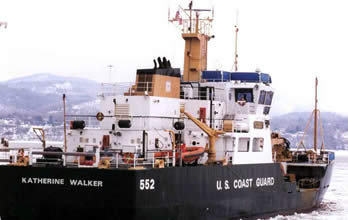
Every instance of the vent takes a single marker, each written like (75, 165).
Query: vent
(122, 110)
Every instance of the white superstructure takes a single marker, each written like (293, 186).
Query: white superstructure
(139, 123)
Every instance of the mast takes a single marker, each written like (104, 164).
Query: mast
(196, 33)
(65, 140)
(315, 115)
(235, 45)
(235, 51)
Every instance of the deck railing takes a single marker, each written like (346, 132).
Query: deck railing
(116, 159)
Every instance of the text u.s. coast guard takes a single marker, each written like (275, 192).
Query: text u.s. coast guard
(244, 183)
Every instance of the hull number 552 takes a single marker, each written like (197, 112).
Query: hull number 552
(147, 184)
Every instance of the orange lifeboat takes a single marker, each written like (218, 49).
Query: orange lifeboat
(188, 154)
(191, 154)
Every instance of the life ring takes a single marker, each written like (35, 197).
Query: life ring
(241, 102)
(100, 116)
(128, 158)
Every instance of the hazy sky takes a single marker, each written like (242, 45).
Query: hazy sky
(293, 40)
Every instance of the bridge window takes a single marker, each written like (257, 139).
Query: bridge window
(269, 97)
(257, 144)
(266, 110)
(262, 97)
(244, 94)
(266, 98)
(243, 144)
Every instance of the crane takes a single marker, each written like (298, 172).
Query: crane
(212, 134)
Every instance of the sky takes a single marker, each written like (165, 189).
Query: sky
(294, 41)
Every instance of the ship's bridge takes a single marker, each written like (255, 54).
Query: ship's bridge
(224, 76)
(245, 93)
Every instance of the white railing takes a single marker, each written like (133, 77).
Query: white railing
(202, 95)
(141, 87)
(12, 156)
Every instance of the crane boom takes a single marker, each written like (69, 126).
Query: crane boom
(212, 134)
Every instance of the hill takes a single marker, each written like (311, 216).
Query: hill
(292, 126)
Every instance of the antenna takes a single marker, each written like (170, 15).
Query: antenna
(193, 20)
(236, 29)
(110, 70)
(195, 25)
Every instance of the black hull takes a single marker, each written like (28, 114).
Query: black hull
(201, 192)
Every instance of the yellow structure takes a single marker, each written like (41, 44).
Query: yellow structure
(212, 134)
(195, 61)
(158, 85)
(161, 82)
(196, 33)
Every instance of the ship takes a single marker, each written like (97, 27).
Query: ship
(196, 145)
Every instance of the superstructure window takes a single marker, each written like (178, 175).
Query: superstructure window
(266, 98)
(269, 97)
(266, 110)
(230, 94)
(243, 144)
(257, 144)
(244, 94)
(262, 97)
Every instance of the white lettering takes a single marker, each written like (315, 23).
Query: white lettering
(227, 185)
(218, 185)
(142, 186)
(39, 180)
(265, 181)
(152, 184)
(46, 181)
(243, 183)
(73, 182)
(145, 184)
(90, 183)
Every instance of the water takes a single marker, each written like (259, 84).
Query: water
(335, 203)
